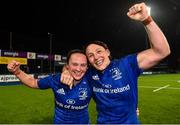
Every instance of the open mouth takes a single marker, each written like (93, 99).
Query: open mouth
(99, 62)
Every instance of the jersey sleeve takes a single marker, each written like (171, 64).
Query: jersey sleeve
(132, 61)
(45, 83)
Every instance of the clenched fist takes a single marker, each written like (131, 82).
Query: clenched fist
(14, 67)
(138, 12)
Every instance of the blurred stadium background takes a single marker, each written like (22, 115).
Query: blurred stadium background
(50, 29)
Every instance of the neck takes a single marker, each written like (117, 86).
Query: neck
(75, 82)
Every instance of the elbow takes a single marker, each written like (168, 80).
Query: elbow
(33, 84)
(162, 54)
(168, 52)
(165, 53)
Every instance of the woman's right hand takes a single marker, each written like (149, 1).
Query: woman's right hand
(66, 78)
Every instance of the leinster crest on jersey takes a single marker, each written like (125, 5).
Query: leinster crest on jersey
(116, 73)
(82, 93)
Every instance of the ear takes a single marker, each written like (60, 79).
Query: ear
(109, 53)
(65, 67)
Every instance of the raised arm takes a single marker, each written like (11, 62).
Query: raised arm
(28, 80)
(159, 45)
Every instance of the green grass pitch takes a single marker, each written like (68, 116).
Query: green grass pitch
(159, 102)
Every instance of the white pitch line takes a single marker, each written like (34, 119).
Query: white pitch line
(161, 88)
(148, 87)
(151, 87)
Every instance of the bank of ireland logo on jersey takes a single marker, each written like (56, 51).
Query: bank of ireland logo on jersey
(116, 73)
(82, 93)
(108, 86)
(61, 91)
(95, 77)
(70, 101)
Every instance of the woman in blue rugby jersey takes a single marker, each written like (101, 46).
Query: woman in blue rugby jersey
(71, 105)
(114, 82)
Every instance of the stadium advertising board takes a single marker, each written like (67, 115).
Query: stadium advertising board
(31, 55)
(42, 56)
(8, 78)
(64, 58)
(57, 57)
(45, 56)
(51, 57)
(5, 60)
(6, 53)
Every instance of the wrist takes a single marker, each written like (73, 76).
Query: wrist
(147, 21)
(17, 72)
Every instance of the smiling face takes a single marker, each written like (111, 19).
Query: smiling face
(77, 65)
(98, 56)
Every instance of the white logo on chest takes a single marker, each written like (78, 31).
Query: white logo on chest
(95, 77)
(116, 74)
(71, 101)
(61, 91)
(82, 93)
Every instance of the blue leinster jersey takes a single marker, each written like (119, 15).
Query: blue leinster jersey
(115, 91)
(71, 106)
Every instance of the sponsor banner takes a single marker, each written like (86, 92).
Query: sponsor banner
(45, 56)
(23, 54)
(42, 56)
(31, 55)
(5, 60)
(13, 54)
(57, 57)
(51, 57)
(10, 78)
(64, 58)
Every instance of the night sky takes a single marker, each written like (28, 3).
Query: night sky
(75, 22)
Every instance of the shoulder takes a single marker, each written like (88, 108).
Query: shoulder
(54, 77)
(127, 58)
